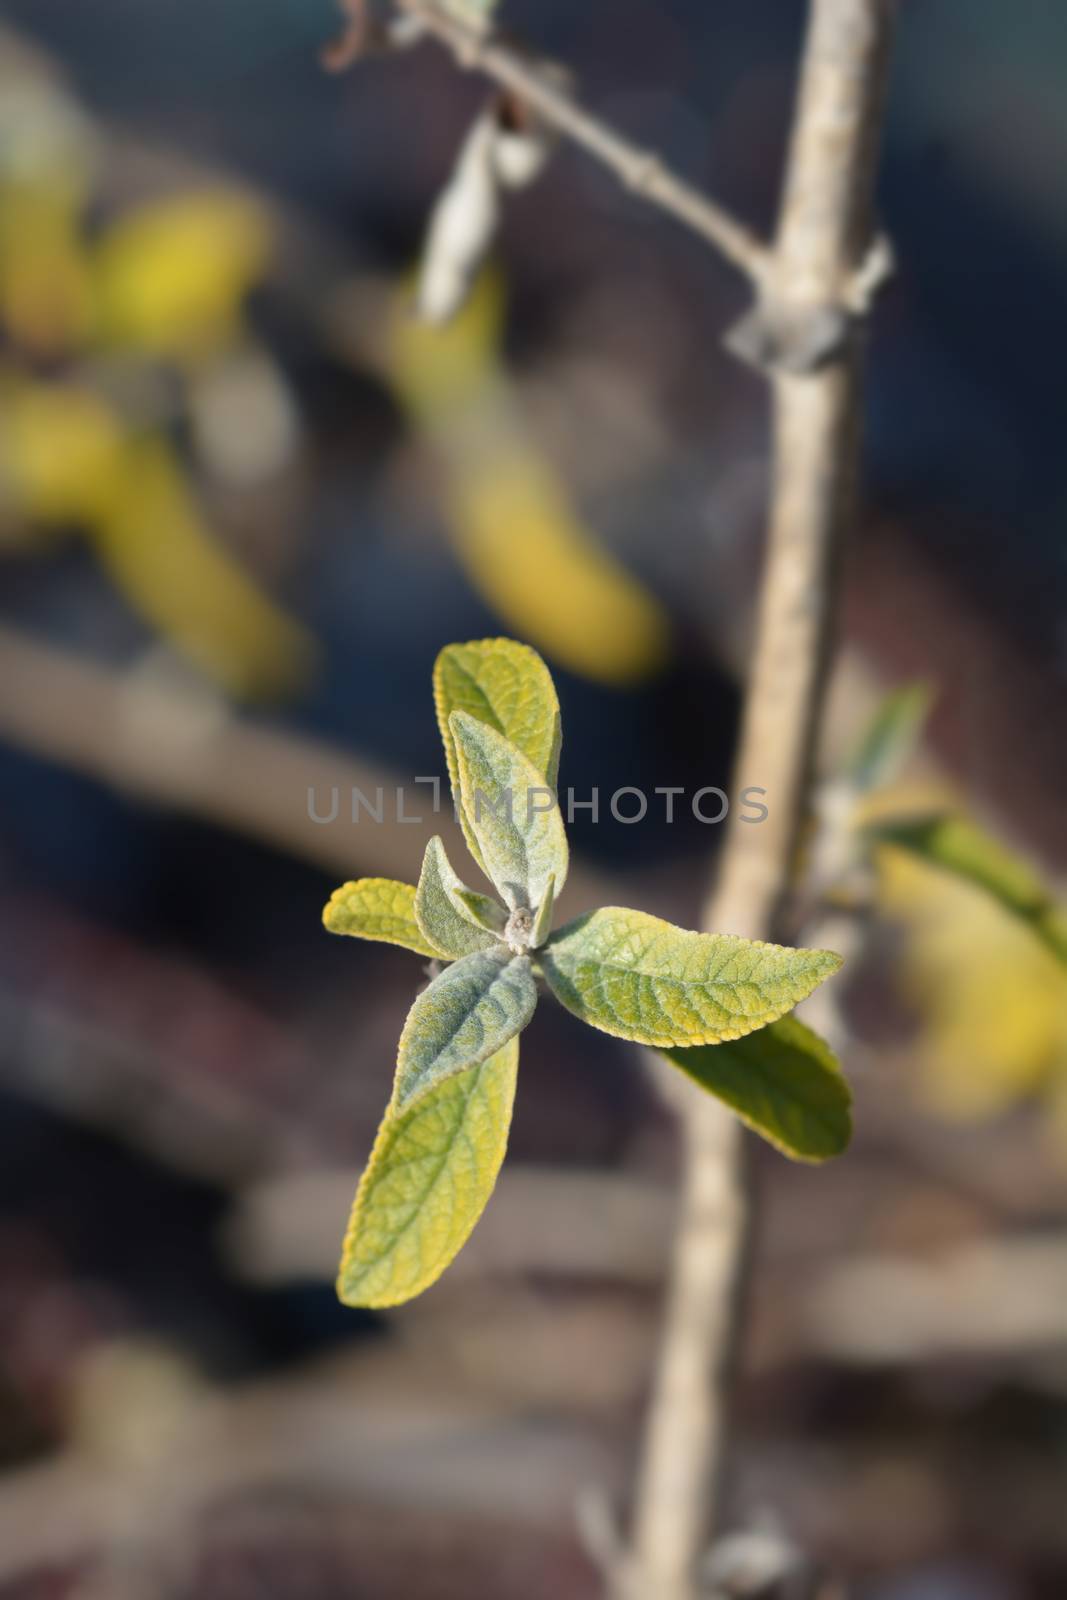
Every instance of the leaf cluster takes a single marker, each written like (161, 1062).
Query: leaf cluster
(713, 1005)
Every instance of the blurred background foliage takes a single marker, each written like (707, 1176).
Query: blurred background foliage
(244, 498)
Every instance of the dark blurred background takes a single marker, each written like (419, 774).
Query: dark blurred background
(244, 500)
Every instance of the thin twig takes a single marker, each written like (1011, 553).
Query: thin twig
(824, 234)
(640, 171)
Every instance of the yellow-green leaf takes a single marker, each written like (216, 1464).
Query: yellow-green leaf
(507, 686)
(431, 1172)
(543, 921)
(512, 812)
(784, 1082)
(381, 909)
(958, 846)
(442, 916)
(483, 909)
(890, 736)
(989, 999)
(640, 978)
(467, 1014)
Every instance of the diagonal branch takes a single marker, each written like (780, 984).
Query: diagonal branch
(640, 171)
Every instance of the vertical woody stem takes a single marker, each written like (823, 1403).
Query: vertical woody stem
(824, 231)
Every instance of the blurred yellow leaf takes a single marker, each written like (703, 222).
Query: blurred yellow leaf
(525, 549)
(955, 844)
(438, 368)
(992, 1000)
(155, 544)
(61, 450)
(510, 519)
(45, 275)
(172, 276)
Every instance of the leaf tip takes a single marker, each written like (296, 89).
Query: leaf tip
(332, 906)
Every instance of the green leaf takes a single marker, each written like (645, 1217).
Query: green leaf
(520, 846)
(507, 686)
(430, 1174)
(543, 921)
(890, 736)
(784, 1082)
(442, 917)
(483, 910)
(465, 1016)
(958, 846)
(640, 978)
(378, 908)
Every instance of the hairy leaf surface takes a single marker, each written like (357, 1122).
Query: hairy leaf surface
(520, 847)
(442, 916)
(430, 1174)
(483, 910)
(641, 978)
(380, 909)
(543, 921)
(465, 1016)
(508, 687)
(784, 1082)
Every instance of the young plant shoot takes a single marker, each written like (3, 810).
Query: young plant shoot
(712, 1004)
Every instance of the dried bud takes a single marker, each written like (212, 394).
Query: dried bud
(505, 149)
(462, 226)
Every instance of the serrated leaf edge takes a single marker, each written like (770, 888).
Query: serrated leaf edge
(383, 1302)
(720, 1037)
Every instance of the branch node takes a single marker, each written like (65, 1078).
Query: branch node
(644, 174)
(795, 342)
(544, 87)
(776, 337)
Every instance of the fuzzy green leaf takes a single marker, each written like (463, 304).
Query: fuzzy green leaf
(507, 686)
(380, 909)
(430, 1174)
(482, 910)
(543, 921)
(465, 1016)
(441, 915)
(635, 976)
(784, 1082)
(521, 846)
(958, 846)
